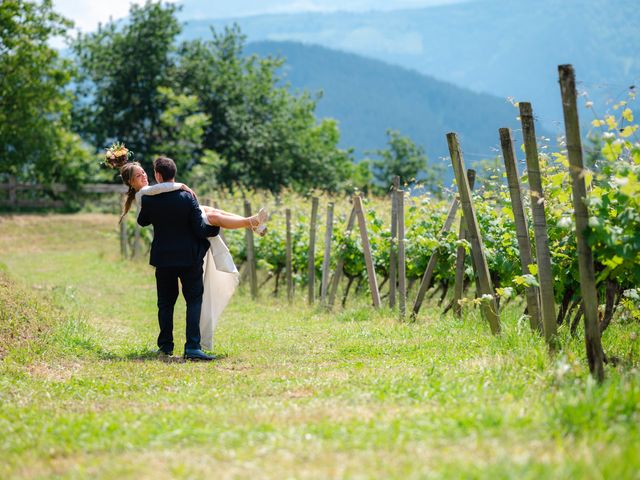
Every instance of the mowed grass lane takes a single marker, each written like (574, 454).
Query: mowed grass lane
(300, 393)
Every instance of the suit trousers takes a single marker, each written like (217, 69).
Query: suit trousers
(192, 290)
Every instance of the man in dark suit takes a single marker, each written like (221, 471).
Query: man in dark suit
(177, 251)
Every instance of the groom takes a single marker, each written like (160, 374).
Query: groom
(177, 251)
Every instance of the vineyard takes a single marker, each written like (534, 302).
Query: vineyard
(613, 235)
(387, 324)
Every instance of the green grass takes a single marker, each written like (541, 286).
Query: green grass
(300, 393)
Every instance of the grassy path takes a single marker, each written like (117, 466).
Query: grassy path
(301, 394)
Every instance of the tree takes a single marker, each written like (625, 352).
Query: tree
(204, 104)
(181, 128)
(360, 178)
(181, 131)
(123, 67)
(404, 159)
(36, 144)
(265, 137)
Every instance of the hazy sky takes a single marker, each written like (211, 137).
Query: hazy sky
(88, 13)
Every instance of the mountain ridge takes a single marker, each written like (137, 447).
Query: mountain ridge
(367, 97)
(507, 49)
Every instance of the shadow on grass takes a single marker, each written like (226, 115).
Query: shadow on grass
(87, 346)
(147, 355)
(76, 338)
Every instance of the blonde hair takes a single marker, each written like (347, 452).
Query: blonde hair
(126, 173)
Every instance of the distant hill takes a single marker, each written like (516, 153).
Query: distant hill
(502, 47)
(367, 97)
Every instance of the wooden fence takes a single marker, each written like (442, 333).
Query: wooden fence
(12, 198)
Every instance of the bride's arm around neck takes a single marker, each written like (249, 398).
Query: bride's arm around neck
(157, 189)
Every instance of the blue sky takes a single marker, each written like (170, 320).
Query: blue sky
(224, 9)
(88, 13)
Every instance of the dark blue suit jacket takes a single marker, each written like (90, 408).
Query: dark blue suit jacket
(179, 232)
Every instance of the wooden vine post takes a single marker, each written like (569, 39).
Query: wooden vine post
(458, 286)
(489, 306)
(251, 257)
(522, 227)
(595, 354)
(393, 260)
(543, 255)
(326, 260)
(288, 256)
(402, 265)
(366, 247)
(311, 264)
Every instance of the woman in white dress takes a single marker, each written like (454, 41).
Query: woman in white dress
(220, 273)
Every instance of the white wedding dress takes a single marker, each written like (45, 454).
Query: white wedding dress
(221, 276)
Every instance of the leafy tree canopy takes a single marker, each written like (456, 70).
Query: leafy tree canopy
(266, 137)
(36, 143)
(122, 71)
(203, 103)
(405, 159)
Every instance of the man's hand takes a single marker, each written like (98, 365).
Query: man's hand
(187, 189)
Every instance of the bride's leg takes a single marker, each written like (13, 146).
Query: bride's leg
(207, 209)
(226, 220)
(229, 214)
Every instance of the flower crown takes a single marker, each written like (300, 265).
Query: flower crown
(117, 155)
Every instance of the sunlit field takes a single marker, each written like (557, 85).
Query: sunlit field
(297, 392)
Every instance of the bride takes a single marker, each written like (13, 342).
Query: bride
(134, 176)
(220, 273)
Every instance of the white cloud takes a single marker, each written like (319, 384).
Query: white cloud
(88, 13)
(298, 6)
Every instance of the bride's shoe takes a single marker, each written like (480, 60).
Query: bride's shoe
(258, 222)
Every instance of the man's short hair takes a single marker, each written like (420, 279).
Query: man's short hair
(165, 167)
